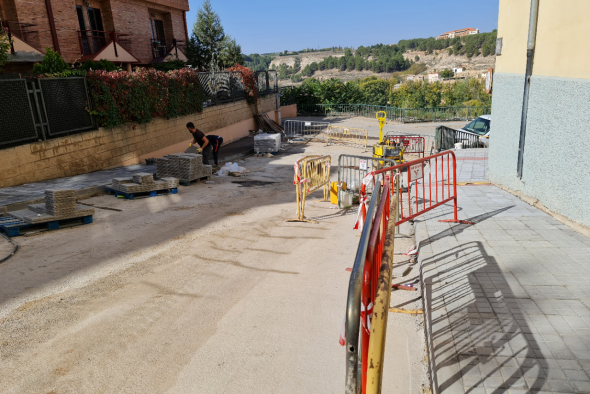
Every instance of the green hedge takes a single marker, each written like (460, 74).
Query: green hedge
(140, 96)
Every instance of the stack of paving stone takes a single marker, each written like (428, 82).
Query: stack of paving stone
(162, 167)
(184, 166)
(142, 182)
(267, 143)
(59, 204)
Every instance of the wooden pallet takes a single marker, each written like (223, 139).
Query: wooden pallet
(153, 193)
(13, 227)
(198, 180)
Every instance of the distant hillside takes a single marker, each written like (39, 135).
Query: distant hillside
(475, 52)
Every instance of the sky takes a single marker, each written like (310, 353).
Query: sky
(263, 26)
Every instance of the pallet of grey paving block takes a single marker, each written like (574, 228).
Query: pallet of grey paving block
(13, 227)
(185, 182)
(132, 196)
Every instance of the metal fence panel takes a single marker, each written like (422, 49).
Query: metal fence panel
(273, 81)
(352, 170)
(404, 115)
(66, 105)
(208, 88)
(42, 108)
(262, 78)
(238, 87)
(303, 129)
(223, 87)
(16, 120)
(446, 138)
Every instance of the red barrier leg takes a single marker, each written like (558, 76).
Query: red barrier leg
(455, 220)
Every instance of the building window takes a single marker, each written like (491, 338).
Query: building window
(159, 47)
(85, 43)
(97, 30)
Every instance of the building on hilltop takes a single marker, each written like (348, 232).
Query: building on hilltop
(458, 33)
(434, 77)
(540, 106)
(122, 31)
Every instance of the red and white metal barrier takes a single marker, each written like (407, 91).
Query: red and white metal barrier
(421, 185)
(428, 182)
(371, 272)
(411, 144)
(374, 234)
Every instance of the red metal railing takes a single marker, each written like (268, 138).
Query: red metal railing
(411, 144)
(420, 186)
(371, 273)
(428, 182)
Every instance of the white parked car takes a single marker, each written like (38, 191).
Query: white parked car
(476, 133)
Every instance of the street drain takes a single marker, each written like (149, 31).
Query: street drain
(252, 183)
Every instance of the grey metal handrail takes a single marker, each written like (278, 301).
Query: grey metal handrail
(353, 302)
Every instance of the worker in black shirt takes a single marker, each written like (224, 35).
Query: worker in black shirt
(215, 142)
(199, 137)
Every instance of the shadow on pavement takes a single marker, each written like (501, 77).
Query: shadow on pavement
(476, 330)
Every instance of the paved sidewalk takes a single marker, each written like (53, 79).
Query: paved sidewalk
(19, 197)
(84, 184)
(508, 296)
(472, 165)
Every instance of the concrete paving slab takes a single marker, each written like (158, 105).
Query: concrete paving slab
(513, 276)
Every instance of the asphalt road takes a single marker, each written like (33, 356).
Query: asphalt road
(205, 291)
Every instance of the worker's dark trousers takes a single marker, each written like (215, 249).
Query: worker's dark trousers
(206, 153)
(216, 147)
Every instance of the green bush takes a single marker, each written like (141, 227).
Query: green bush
(140, 96)
(4, 48)
(169, 65)
(104, 65)
(52, 63)
(376, 91)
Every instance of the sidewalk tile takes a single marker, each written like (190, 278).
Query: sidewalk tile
(512, 294)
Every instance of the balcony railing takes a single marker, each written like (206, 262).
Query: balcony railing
(160, 48)
(22, 31)
(92, 41)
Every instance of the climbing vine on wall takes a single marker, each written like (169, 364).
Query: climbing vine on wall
(250, 82)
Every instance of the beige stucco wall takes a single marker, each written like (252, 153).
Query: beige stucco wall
(289, 111)
(561, 31)
(124, 145)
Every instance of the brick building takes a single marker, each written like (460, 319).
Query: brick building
(123, 31)
(458, 33)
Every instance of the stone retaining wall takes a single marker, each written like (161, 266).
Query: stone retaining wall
(124, 145)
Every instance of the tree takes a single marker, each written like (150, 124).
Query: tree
(231, 53)
(4, 48)
(447, 73)
(282, 74)
(52, 63)
(296, 78)
(417, 58)
(207, 40)
(306, 72)
(375, 91)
